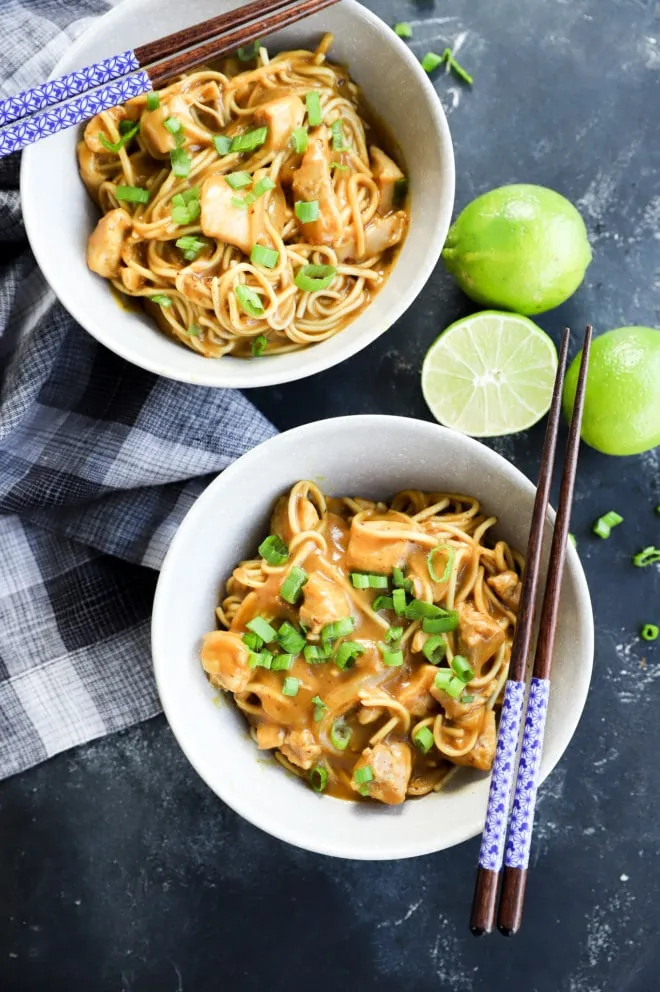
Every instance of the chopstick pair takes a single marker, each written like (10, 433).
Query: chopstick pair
(507, 840)
(66, 101)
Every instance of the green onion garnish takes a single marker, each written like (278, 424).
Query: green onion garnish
(423, 740)
(222, 144)
(282, 662)
(259, 188)
(185, 206)
(431, 61)
(400, 192)
(132, 194)
(173, 125)
(466, 699)
(313, 102)
(318, 778)
(314, 655)
(262, 659)
(573, 540)
(347, 654)
(434, 649)
(274, 550)
(340, 734)
(249, 141)
(382, 603)
(392, 657)
(268, 257)
(460, 666)
(292, 585)
(603, 526)
(161, 299)
(657, 509)
(306, 211)
(259, 345)
(647, 556)
(126, 134)
(320, 709)
(237, 180)
(337, 135)
(399, 601)
(456, 67)
(128, 127)
(249, 301)
(262, 629)
(153, 100)
(418, 608)
(248, 52)
(300, 139)
(194, 330)
(338, 628)
(403, 29)
(181, 162)
(368, 580)
(448, 683)
(253, 641)
(451, 554)
(290, 686)
(240, 202)
(362, 777)
(290, 639)
(312, 279)
(650, 632)
(440, 625)
(394, 634)
(398, 577)
(340, 166)
(191, 246)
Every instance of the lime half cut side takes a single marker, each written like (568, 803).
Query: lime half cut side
(490, 374)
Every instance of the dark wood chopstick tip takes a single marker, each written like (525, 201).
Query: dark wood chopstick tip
(482, 917)
(506, 931)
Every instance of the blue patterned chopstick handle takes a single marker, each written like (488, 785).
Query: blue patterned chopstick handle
(527, 780)
(15, 136)
(501, 782)
(64, 87)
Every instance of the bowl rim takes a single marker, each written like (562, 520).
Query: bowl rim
(472, 826)
(247, 375)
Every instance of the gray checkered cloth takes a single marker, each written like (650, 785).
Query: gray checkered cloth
(99, 462)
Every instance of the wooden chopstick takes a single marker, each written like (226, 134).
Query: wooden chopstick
(491, 854)
(522, 815)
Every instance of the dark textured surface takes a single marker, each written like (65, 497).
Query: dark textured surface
(121, 872)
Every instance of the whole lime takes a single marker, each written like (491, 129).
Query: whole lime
(522, 248)
(622, 400)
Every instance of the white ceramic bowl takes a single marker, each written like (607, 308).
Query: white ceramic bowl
(59, 214)
(371, 456)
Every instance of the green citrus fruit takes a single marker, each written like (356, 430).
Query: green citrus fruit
(622, 401)
(522, 248)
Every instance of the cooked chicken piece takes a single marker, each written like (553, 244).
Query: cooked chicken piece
(158, 140)
(508, 587)
(225, 658)
(179, 107)
(88, 167)
(415, 695)
(386, 173)
(105, 243)
(131, 279)
(369, 552)
(465, 715)
(313, 181)
(301, 748)
(369, 714)
(280, 116)
(279, 522)
(482, 754)
(391, 765)
(380, 234)
(223, 220)
(269, 736)
(479, 636)
(323, 602)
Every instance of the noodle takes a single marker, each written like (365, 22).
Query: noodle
(387, 705)
(188, 253)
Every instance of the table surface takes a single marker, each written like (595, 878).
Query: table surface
(121, 872)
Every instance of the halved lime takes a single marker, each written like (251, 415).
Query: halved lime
(490, 374)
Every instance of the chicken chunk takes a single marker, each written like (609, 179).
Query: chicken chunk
(89, 170)
(301, 748)
(508, 587)
(391, 765)
(387, 174)
(415, 694)
(269, 736)
(106, 242)
(280, 116)
(482, 754)
(479, 636)
(223, 220)
(370, 552)
(313, 182)
(131, 279)
(157, 139)
(380, 234)
(225, 659)
(323, 602)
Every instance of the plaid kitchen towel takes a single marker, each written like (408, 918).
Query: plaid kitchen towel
(99, 461)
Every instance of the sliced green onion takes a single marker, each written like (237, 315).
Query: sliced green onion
(398, 577)
(314, 278)
(300, 139)
(340, 734)
(423, 740)
(434, 649)
(128, 127)
(340, 166)
(431, 61)
(362, 777)
(448, 683)
(403, 29)
(268, 257)
(132, 194)
(647, 556)
(259, 188)
(394, 634)
(126, 134)
(347, 654)
(418, 608)
(181, 162)
(336, 129)
(315, 655)
(320, 709)
(461, 667)
(222, 144)
(451, 554)
(313, 103)
(466, 699)
(573, 540)
(262, 659)
(173, 125)
(650, 632)
(603, 526)
(259, 345)
(253, 641)
(262, 629)
(237, 180)
(273, 550)
(191, 246)
(456, 67)
(249, 301)
(368, 580)
(382, 603)
(282, 662)
(338, 628)
(153, 100)
(292, 585)
(440, 625)
(290, 639)
(399, 601)
(246, 53)
(161, 299)
(185, 206)
(250, 140)
(194, 330)
(318, 778)
(400, 192)
(306, 211)
(393, 658)
(290, 686)
(657, 509)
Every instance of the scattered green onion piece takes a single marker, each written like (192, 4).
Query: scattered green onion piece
(423, 740)
(434, 649)
(273, 550)
(340, 166)
(403, 29)
(418, 608)
(194, 330)
(399, 601)
(336, 129)
(222, 144)
(451, 555)
(456, 67)
(400, 192)
(313, 103)
(237, 180)
(466, 699)
(382, 603)
(282, 662)
(126, 135)
(180, 161)
(153, 100)
(647, 556)
(290, 686)
(268, 257)
(191, 246)
(318, 778)
(650, 632)
(461, 668)
(431, 61)
(250, 140)
(398, 577)
(132, 194)
(262, 659)
(313, 279)
(259, 345)
(246, 53)
(603, 526)
(657, 509)
(190, 194)
(292, 585)
(338, 628)
(320, 709)
(173, 125)
(359, 580)
(448, 683)
(573, 540)
(307, 211)
(394, 635)
(299, 139)
(290, 639)
(262, 629)
(347, 654)
(393, 658)
(249, 301)
(259, 188)
(440, 625)
(253, 641)
(340, 734)
(129, 127)
(240, 202)
(362, 777)
(315, 655)
(161, 299)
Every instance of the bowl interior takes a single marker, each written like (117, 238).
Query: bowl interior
(59, 214)
(367, 456)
